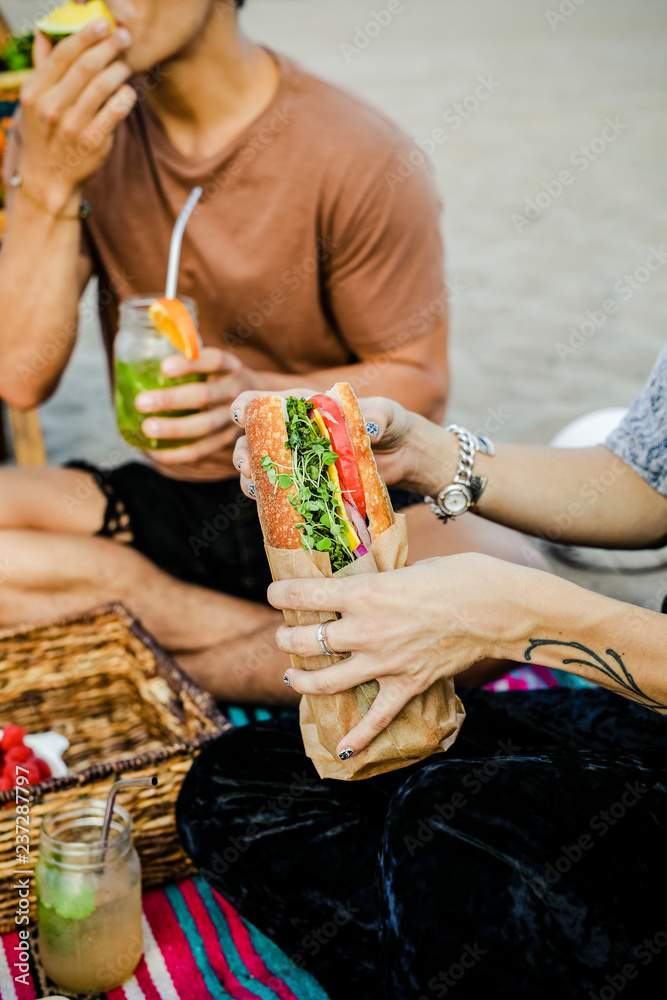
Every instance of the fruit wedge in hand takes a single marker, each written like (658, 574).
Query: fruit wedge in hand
(70, 17)
(171, 317)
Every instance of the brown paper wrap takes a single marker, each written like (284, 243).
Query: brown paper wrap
(428, 724)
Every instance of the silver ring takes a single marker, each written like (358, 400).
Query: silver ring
(322, 639)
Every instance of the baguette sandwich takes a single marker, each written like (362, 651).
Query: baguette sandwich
(316, 481)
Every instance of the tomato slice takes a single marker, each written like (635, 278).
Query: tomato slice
(346, 464)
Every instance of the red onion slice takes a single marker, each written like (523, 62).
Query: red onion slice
(358, 523)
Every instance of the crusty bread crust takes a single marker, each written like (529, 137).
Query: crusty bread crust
(378, 504)
(266, 432)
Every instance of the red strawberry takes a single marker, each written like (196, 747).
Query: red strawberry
(5, 784)
(34, 771)
(18, 754)
(12, 736)
(44, 768)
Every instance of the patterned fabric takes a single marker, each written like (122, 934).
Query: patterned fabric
(533, 678)
(537, 678)
(196, 947)
(641, 438)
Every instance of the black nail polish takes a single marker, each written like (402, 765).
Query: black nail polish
(239, 464)
(251, 489)
(287, 680)
(237, 414)
(346, 754)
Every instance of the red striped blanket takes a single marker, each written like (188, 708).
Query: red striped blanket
(196, 947)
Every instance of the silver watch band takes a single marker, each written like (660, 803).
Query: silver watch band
(466, 488)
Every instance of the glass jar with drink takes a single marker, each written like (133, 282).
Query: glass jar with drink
(89, 898)
(140, 348)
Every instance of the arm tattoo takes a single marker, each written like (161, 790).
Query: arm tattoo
(615, 670)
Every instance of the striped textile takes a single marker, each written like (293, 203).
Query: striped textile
(533, 678)
(196, 947)
(537, 678)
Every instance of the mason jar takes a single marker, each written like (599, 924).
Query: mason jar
(88, 898)
(139, 350)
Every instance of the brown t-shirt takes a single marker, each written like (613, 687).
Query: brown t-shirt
(316, 241)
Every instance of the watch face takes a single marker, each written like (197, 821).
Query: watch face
(455, 500)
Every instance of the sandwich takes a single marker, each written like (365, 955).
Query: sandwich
(316, 481)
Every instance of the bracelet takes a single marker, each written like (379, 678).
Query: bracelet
(466, 488)
(83, 212)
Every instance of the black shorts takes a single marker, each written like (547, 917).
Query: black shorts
(206, 533)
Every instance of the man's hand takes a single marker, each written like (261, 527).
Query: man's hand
(70, 107)
(213, 427)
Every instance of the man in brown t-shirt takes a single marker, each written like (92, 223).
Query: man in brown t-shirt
(314, 256)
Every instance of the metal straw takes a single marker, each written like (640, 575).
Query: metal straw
(108, 812)
(177, 239)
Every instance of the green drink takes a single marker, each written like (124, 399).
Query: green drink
(139, 350)
(133, 377)
(89, 898)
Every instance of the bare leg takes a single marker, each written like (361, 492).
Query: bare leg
(52, 566)
(46, 576)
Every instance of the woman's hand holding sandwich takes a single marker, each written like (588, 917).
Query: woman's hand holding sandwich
(410, 451)
(408, 627)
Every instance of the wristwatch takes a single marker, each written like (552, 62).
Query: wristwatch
(466, 489)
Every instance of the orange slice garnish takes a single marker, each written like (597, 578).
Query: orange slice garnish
(172, 319)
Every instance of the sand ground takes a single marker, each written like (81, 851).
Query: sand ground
(552, 314)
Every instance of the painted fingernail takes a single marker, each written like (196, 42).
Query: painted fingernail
(372, 428)
(286, 680)
(237, 414)
(251, 489)
(346, 754)
(239, 464)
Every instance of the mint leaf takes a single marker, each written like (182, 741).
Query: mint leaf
(70, 894)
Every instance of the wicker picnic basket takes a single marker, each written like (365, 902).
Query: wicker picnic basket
(127, 709)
